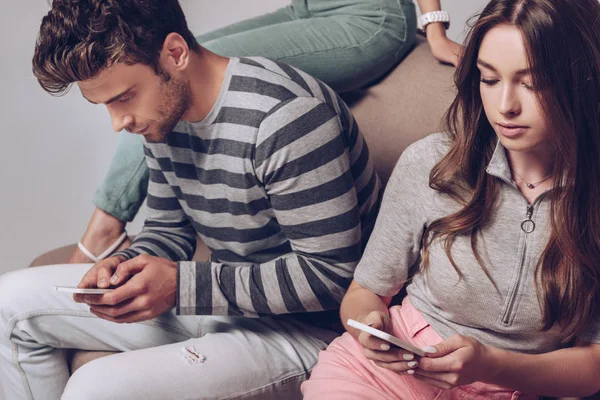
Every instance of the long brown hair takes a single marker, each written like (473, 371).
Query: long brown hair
(562, 40)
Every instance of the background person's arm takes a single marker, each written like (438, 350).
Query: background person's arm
(442, 48)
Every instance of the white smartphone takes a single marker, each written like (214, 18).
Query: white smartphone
(393, 340)
(73, 289)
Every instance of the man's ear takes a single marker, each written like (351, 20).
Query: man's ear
(175, 53)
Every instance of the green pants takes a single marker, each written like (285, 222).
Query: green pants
(345, 43)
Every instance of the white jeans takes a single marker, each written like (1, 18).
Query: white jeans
(243, 358)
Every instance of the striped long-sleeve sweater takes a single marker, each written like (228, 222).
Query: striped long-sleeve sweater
(278, 183)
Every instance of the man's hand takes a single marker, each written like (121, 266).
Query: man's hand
(98, 276)
(149, 286)
(442, 48)
(457, 361)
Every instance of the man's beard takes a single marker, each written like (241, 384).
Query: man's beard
(176, 100)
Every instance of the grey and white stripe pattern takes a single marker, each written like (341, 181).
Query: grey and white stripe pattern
(277, 181)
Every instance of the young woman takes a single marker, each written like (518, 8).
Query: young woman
(345, 43)
(494, 227)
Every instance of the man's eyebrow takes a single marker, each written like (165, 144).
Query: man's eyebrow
(492, 68)
(114, 98)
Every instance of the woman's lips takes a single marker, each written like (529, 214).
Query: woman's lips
(510, 130)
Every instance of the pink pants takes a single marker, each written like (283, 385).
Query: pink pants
(344, 373)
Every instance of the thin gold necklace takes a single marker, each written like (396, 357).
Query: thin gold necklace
(532, 185)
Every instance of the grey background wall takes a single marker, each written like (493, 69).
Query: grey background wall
(54, 151)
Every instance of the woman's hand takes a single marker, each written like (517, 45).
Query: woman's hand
(457, 361)
(380, 351)
(443, 49)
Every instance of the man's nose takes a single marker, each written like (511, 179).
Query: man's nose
(120, 121)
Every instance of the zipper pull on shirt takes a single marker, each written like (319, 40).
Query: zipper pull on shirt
(528, 225)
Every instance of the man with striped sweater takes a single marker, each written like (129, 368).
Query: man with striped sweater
(262, 161)
(276, 180)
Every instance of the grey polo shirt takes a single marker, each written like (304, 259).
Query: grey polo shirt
(508, 317)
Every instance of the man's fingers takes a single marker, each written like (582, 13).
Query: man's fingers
(99, 273)
(132, 288)
(78, 298)
(126, 307)
(104, 273)
(127, 269)
(138, 316)
(89, 279)
(93, 299)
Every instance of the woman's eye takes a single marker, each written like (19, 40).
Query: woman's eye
(527, 86)
(489, 82)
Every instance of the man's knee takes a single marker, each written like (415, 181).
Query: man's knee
(89, 382)
(14, 291)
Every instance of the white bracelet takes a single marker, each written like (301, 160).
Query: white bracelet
(434, 16)
(106, 252)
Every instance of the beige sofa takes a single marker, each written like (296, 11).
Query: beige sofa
(401, 108)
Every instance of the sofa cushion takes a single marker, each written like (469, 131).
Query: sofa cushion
(403, 107)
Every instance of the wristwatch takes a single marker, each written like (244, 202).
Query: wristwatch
(434, 16)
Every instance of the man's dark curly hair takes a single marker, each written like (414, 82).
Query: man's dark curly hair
(80, 38)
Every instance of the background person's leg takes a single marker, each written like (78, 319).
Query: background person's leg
(346, 44)
(239, 358)
(279, 16)
(37, 323)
